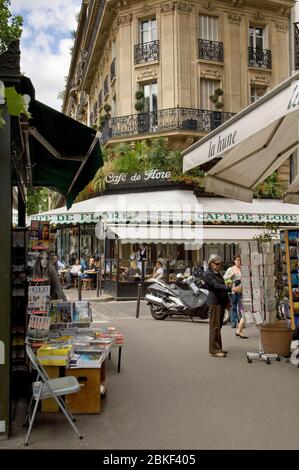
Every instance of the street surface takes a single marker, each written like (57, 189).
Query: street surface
(170, 394)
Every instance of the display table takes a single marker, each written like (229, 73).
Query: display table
(49, 405)
(88, 400)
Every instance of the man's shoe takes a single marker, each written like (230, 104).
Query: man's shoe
(220, 354)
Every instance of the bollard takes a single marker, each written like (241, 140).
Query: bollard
(79, 288)
(100, 283)
(138, 300)
(97, 283)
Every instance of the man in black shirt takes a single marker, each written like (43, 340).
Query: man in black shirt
(217, 300)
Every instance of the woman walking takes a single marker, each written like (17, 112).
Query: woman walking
(233, 275)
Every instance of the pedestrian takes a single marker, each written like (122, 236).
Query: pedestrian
(218, 301)
(233, 277)
(158, 272)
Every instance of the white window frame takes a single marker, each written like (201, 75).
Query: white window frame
(264, 37)
(152, 36)
(209, 27)
(207, 88)
(254, 90)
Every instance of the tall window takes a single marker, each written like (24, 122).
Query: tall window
(207, 89)
(148, 30)
(113, 107)
(150, 97)
(208, 28)
(256, 93)
(256, 37)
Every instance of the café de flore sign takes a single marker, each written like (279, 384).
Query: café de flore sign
(150, 175)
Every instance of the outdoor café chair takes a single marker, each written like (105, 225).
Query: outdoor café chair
(44, 387)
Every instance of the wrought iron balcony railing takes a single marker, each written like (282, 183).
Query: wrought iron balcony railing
(259, 58)
(113, 70)
(146, 52)
(164, 120)
(210, 50)
(296, 45)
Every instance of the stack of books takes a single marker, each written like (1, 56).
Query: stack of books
(55, 354)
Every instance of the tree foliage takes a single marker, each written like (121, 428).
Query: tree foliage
(271, 188)
(10, 25)
(37, 200)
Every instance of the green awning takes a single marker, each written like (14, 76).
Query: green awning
(63, 154)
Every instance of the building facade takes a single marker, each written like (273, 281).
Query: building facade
(178, 69)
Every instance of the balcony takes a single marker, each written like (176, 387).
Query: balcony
(164, 120)
(296, 45)
(113, 70)
(210, 50)
(146, 52)
(259, 58)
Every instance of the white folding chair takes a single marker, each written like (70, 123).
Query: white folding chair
(44, 387)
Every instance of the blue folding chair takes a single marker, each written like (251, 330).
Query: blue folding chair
(44, 387)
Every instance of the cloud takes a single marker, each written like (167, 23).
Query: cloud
(45, 44)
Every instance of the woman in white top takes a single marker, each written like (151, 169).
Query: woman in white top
(233, 274)
(158, 272)
(76, 269)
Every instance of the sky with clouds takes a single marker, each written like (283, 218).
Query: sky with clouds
(45, 44)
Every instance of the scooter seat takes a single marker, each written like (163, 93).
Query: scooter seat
(189, 300)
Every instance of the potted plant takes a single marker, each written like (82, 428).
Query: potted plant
(139, 106)
(216, 117)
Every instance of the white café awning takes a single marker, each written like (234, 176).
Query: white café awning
(191, 236)
(251, 145)
(229, 234)
(220, 209)
(176, 205)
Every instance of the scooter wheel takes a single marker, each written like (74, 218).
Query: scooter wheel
(158, 313)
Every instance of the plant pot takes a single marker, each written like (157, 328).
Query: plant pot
(276, 338)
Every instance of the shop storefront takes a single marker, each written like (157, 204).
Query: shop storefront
(46, 149)
(114, 226)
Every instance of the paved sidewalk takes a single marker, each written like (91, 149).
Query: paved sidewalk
(171, 394)
(91, 295)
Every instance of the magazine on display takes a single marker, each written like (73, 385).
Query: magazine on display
(41, 236)
(70, 312)
(87, 360)
(38, 328)
(82, 311)
(39, 299)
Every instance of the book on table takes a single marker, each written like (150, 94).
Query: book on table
(87, 360)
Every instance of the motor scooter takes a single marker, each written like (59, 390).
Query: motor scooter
(188, 298)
